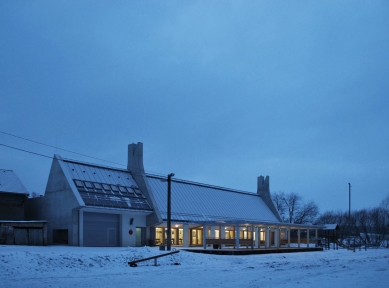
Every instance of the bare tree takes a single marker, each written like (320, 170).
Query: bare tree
(337, 217)
(292, 209)
(379, 225)
(278, 199)
(34, 195)
(307, 213)
(385, 202)
(362, 224)
(328, 217)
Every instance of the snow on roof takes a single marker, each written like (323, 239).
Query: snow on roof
(330, 226)
(101, 186)
(195, 202)
(10, 183)
(98, 173)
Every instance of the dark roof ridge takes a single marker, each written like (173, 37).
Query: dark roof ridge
(202, 185)
(95, 165)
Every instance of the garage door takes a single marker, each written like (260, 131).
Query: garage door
(101, 229)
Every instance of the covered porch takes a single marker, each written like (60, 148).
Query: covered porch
(238, 235)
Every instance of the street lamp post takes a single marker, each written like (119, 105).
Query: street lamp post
(169, 211)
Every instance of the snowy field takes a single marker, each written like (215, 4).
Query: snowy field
(64, 266)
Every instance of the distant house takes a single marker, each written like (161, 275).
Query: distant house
(14, 229)
(13, 195)
(94, 205)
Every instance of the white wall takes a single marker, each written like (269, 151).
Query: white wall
(139, 221)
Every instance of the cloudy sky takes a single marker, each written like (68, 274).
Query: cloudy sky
(219, 92)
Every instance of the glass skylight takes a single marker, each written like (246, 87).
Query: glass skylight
(79, 183)
(106, 187)
(97, 196)
(122, 189)
(97, 186)
(131, 191)
(88, 185)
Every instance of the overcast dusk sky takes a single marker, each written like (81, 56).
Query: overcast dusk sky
(219, 92)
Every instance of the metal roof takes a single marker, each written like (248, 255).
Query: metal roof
(101, 174)
(10, 183)
(195, 202)
(107, 187)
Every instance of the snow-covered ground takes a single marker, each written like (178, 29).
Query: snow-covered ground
(65, 266)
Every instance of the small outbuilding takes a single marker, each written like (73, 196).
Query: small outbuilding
(14, 228)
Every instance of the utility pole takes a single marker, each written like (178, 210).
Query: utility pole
(349, 213)
(349, 201)
(169, 211)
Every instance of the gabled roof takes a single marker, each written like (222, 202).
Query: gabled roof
(331, 227)
(10, 183)
(106, 187)
(195, 202)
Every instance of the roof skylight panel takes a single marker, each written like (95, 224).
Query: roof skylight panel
(138, 192)
(106, 187)
(97, 186)
(88, 185)
(130, 191)
(79, 183)
(123, 189)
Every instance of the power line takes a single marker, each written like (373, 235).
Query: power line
(26, 151)
(9, 134)
(34, 153)
(47, 145)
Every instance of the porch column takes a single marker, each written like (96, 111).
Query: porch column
(257, 237)
(252, 237)
(213, 228)
(288, 237)
(237, 235)
(277, 237)
(81, 228)
(185, 240)
(205, 232)
(298, 237)
(307, 237)
(316, 236)
(44, 234)
(222, 234)
(267, 237)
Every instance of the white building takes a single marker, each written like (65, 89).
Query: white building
(93, 205)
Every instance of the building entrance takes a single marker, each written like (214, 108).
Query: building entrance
(196, 236)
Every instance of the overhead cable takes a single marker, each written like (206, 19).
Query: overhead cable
(47, 145)
(59, 148)
(26, 151)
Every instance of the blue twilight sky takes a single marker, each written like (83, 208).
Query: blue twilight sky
(219, 92)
